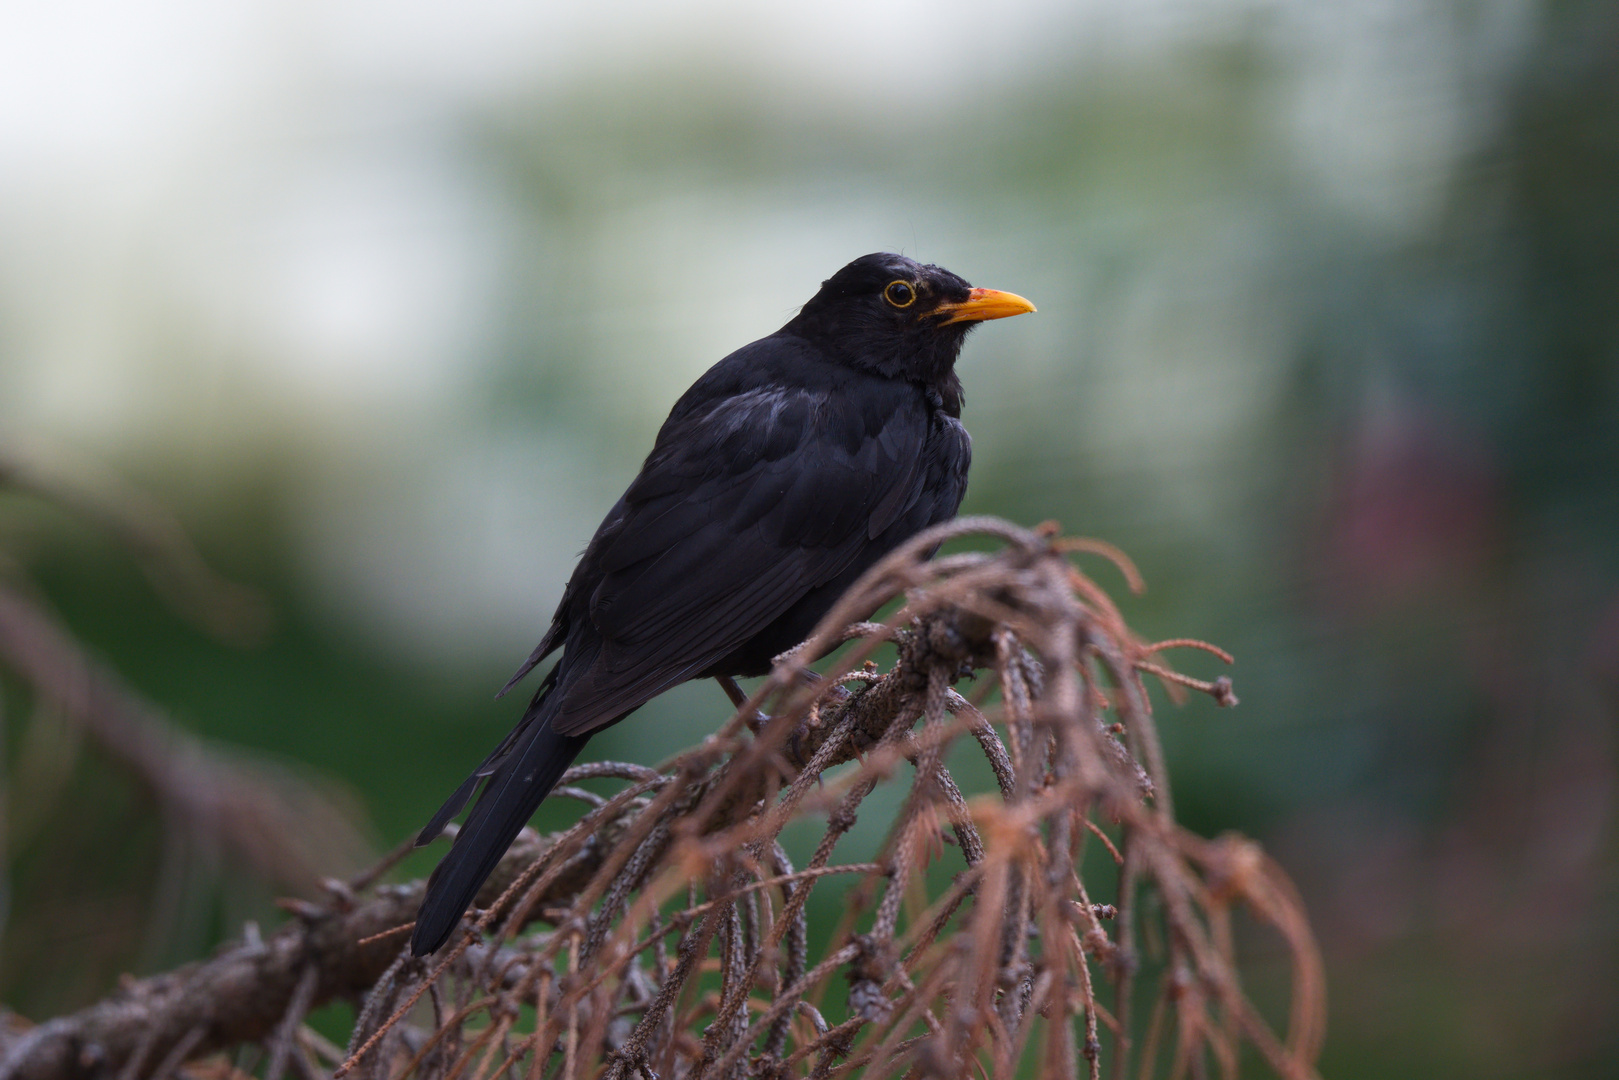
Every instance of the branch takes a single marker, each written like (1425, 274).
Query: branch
(677, 941)
(242, 994)
(290, 830)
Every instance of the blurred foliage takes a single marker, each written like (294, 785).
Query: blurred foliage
(1352, 405)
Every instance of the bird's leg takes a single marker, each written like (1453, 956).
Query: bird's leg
(739, 699)
(732, 690)
(758, 720)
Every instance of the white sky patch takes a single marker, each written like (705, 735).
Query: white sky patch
(263, 216)
(453, 547)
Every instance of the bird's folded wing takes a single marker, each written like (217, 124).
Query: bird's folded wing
(755, 503)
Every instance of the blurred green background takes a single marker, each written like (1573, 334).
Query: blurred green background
(386, 303)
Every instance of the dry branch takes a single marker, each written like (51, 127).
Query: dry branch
(290, 829)
(152, 535)
(287, 828)
(674, 937)
(242, 994)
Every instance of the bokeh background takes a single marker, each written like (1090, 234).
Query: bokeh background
(386, 301)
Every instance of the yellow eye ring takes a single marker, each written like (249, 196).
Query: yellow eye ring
(901, 294)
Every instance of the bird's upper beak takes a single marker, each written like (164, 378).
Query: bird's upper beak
(983, 304)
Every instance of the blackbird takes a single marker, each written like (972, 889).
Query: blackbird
(784, 472)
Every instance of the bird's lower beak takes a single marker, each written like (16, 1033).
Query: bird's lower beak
(982, 304)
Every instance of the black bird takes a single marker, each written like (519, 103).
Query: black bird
(784, 472)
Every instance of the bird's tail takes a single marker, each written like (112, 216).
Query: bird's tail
(536, 760)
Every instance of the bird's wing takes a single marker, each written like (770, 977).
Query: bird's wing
(741, 509)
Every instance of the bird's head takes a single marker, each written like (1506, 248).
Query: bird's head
(900, 318)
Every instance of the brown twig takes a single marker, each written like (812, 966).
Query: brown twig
(677, 941)
(292, 831)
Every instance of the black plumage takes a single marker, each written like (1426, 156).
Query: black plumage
(780, 476)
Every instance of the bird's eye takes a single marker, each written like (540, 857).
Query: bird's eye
(900, 294)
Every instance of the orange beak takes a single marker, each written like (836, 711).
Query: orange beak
(982, 304)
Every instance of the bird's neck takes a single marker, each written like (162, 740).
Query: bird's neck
(927, 360)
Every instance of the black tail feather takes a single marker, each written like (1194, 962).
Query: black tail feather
(513, 793)
(446, 813)
(491, 764)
